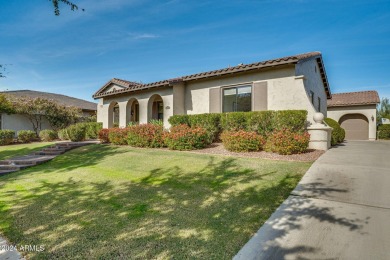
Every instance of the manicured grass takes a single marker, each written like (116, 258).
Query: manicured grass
(9, 151)
(111, 202)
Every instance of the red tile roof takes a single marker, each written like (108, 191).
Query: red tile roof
(132, 86)
(354, 99)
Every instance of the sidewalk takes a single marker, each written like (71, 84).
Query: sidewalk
(339, 210)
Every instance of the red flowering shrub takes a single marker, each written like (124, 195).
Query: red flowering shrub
(145, 135)
(242, 141)
(287, 142)
(103, 135)
(183, 137)
(118, 136)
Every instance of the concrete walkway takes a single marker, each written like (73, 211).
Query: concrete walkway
(339, 210)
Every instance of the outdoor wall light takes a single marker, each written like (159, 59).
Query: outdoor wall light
(372, 118)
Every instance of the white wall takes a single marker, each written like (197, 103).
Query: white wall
(19, 122)
(369, 111)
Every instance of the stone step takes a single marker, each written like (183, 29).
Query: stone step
(14, 167)
(17, 162)
(49, 152)
(55, 148)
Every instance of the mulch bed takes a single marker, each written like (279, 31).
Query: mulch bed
(217, 148)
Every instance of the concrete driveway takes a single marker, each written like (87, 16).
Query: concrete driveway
(339, 210)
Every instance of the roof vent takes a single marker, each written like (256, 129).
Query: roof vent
(240, 64)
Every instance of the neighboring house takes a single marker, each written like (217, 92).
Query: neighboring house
(19, 122)
(385, 121)
(356, 113)
(294, 82)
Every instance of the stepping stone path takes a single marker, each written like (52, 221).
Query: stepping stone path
(46, 154)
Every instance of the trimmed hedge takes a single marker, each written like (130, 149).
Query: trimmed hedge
(63, 134)
(76, 132)
(92, 130)
(48, 135)
(183, 137)
(118, 136)
(145, 135)
(242, 141)
(103, 135)
(26, 136)
(287, 142)
(338, 133)
(6, 136)
(384, 131)
(262, 122)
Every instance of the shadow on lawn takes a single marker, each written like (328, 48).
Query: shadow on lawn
(20, 151)
(171, 213)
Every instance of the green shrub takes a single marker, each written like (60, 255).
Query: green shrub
(6, 136)
(26, 136)
(242, 141)
(63, 134)
(179, 120)
(183, 137)
(294, 120)
(156, 122)
(118, 136)
(338, 133)
(261, 122)
(209, 122)
(145, 135)
(76, 133)
(234, 121)
(48, 135)
(286, 142)
(384, 131)
(92, 130)
(103, 135)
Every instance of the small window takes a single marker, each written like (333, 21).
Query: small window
(319, 104)
(312, 97)
(237, 99)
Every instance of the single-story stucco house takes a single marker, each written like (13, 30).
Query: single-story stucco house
(293, 82)
(19, 122)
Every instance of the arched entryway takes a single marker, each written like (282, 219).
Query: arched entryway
(356, 126)
(132, 111)
(156, 108)
(113, 114)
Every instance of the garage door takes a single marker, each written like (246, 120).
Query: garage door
(356, 127)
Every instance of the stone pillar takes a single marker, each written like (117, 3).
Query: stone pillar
(320, 134)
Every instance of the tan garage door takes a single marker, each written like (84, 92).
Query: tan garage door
(356, 127)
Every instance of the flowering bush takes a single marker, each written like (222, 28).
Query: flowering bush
(287, 142)
(103, 135)
(26, 136)
(6, 137)
(182, 137)
(145, 135)
(118, 136)
(48, 135)
(242, 141)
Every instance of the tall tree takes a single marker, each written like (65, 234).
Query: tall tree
(384, 108)
(73, 6)
(5, 104)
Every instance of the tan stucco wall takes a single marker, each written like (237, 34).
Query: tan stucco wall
(369, 111)
(143, 100)
(19, 122)
(197, 92)
(313, 82)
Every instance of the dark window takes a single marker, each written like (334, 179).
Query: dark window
(319, 104)
(160, 110)
(312, 97)
(237, 99)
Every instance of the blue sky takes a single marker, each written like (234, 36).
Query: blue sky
(140, 40)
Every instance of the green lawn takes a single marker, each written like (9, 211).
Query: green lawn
(111, 202)
(9, 151)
